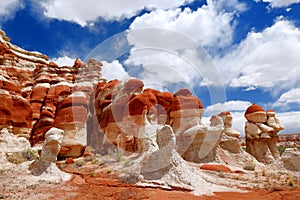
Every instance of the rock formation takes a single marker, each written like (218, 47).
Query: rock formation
(261, 131)
(291, 159)
(38, 94)
(123, 107)
(230, 138)
(12, 148)
(50, 150)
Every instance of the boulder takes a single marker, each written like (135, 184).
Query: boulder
(291, 159)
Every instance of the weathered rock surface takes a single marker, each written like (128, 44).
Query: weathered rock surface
(38, 94)
(230, 138)
(291, 159)
(50, 150)
(261, 134)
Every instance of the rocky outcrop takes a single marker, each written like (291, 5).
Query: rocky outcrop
(230, 137)
(50, 150)
(10, 143)
(16, 112)
(291, 159)
(195, 141)
(261, 134)
(38, 95)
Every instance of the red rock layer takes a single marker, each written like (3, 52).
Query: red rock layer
(254, 108)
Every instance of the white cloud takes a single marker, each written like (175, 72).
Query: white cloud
(85, 12)
(210, 25)
(64, 61)
(8, 8)
(178, 53)
(168, 60)
(268, 59)
(113, 70)
(292, 96)
(280, 3)
(228, 106)
(290, 121)
(289, 97)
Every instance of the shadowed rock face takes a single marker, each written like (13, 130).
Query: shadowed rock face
(261, 131)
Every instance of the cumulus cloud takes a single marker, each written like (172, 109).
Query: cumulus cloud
(288, 99)
(169, 60)
(180, 55)
(114, 70)
(267, 59)
(290, 121)
(228, 106)
(280, 3)
(85, 12)
(64, 61)
(292, 96)
(210, 25)
(8, 8)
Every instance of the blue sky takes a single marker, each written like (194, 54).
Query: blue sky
(250, 46)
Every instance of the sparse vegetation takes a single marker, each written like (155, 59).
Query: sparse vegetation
(32, 154)
(32, 187)
(127, 163)
(89, 158)
(291, 181)
(264, 172)
(249, 167)
(282, 149)
(119, 156)
(79, 163)
(256, 174)
(94, 162)
(92, 174)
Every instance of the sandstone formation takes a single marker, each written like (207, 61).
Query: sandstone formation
(261, 134)
(160, 164)
(230, 138)
(11, 145)
(50, 150)
(38, 94)
(124, 111)
(291, 159)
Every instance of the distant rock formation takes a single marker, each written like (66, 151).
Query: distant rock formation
(261, 131)
(289, 140)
